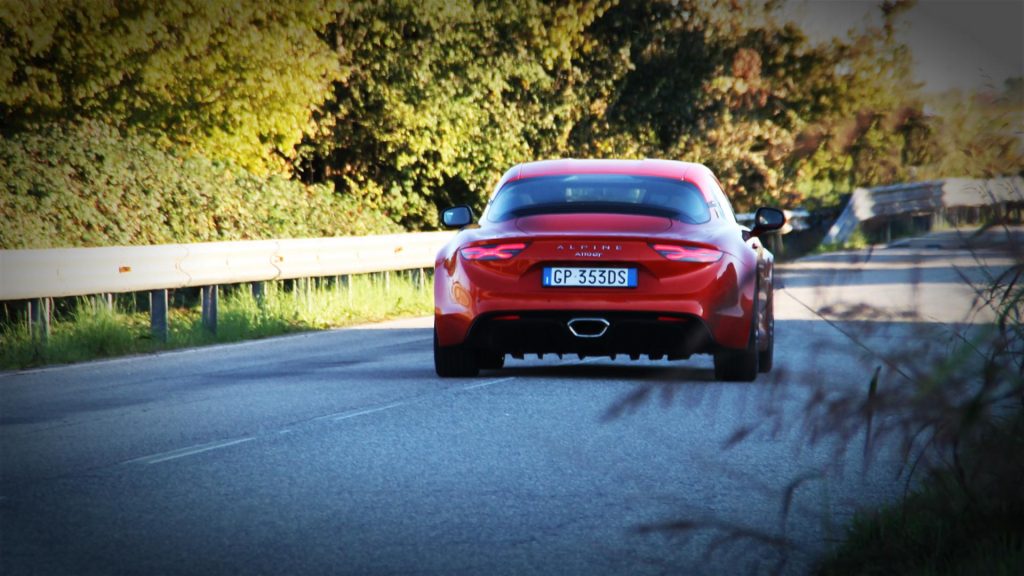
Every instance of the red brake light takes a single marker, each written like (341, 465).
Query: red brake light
(493, 251)
(676, 319)
(687, 253)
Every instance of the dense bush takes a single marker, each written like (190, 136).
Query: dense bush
(237, 79)
(413, 105)
(87, 185)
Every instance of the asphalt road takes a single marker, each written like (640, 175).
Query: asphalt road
(340, 452)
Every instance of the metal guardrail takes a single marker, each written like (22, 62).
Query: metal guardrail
(62, 272)
(41, 275)
(929, 197)
(26, 274)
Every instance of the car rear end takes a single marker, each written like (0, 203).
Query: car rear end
(643, 295)
(595, 278)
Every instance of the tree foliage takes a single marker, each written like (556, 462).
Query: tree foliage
(408, 106)
(235, 79)
(438, 97)
(87, 185)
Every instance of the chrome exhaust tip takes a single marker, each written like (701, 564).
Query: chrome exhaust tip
(588, 327)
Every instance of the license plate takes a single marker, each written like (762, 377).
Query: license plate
(590, 277)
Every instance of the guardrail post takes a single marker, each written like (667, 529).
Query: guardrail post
(258, 293)
(31, 309)
(158, 314)
(209, 296)
(387, 282)
(39, 318)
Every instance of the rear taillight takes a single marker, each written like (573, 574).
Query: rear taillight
(493, 251)
(676, 319)
(687, 253)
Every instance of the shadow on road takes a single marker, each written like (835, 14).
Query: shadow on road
(663, 372)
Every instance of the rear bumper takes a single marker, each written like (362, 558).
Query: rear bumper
(716, 299)
(629, 333)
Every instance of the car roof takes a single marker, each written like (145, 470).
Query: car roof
(694, 172)
(648, 167)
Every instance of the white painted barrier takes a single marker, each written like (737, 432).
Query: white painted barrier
(28, 274)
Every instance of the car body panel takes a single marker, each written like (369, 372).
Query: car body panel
(718, 298)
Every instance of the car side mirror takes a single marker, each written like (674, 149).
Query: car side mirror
(767, 220)
(457, 216)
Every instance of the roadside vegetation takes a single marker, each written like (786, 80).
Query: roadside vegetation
(857, 241)
(960, 428)
(88, 328)
(87, 185)
(944, 528)
(248, 119)
(945, 402)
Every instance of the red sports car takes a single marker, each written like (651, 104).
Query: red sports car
(602, 258)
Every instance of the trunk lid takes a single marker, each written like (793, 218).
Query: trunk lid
(596, 224)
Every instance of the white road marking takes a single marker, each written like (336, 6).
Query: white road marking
(346, 416)
(369, 411)
(488, 383)
(199, 449)
(189, 451)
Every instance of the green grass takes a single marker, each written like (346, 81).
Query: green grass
(925, 536)
(91, 331)
(941, 529)
(857, 241)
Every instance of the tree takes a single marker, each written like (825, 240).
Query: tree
(234, 79)
(438, 98)
(408, 106)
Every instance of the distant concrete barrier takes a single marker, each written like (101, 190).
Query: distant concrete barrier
(867, 204)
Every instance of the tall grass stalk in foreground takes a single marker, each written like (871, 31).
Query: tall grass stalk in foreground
(91, 331)
(949, 408)
(960, 429)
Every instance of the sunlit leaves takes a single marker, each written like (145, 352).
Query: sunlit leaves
(440, 97)
(87, 185)
(410, 105)
(233, 79)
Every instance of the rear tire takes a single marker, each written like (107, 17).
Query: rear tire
(739, 365)
(455, 361)
(766, 357)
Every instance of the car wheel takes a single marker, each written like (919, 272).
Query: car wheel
(765, 357)
(454, 361)
(739, 365)
(488, 360)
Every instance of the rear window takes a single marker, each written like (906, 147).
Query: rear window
(606, 193)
